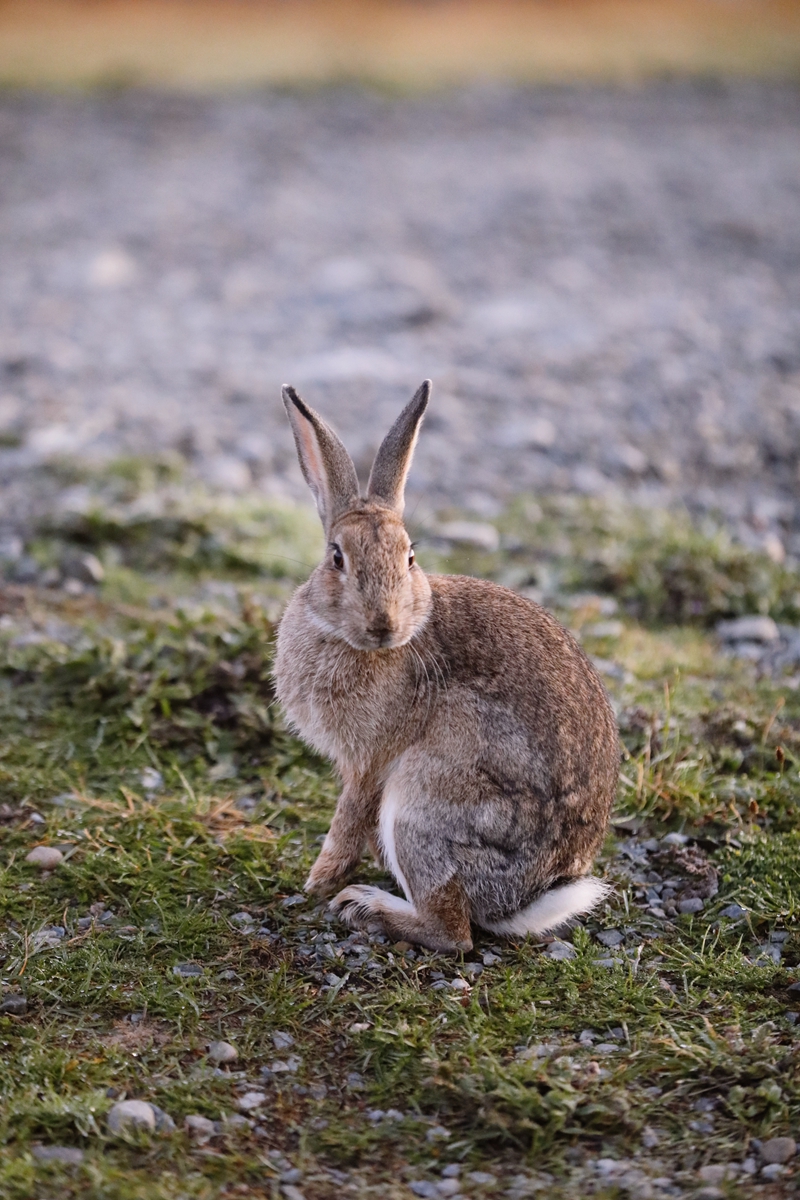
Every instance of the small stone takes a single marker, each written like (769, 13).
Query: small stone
(733, 912)
(61, 1154)
(164, 1122)
(459, 985)
(772, 1171)
(561, 951)
(14, 1005)
(45, 857)
(251, 1101)
(606, 1048)
(710, 1193)
(292, 1175)
(674, 839)
(421, 1187)
(355, 1082)
(490, 959)
(717, 1172)
(131, 1115)
(282, 1041)
(794, 987)
(235, 1121)
(609, 962)
(448, 1187)
(470, 533)
(693, 905)
(86, 568)
(778, 1150)
(151, 779)
(749, 1166)
(610, 938)
(451, 1171)
(748, 629)
(481, 1177)
(222, 1052)
(243, 921)
(650, 1138)
(199, 1128)
(187, 970)
(437, 1133)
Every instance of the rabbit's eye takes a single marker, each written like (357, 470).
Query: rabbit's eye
(411, 557)
(338, 559)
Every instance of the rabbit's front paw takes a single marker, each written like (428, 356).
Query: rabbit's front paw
(327, 874)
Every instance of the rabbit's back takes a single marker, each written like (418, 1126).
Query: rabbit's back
(519, 659)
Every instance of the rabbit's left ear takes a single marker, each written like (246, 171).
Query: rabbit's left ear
(326, 465)
(387, 479)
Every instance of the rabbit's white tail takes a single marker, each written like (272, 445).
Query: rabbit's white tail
(554, 908)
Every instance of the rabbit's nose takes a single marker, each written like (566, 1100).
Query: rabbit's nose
(381, 628)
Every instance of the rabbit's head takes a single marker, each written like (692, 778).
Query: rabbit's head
(368, 591)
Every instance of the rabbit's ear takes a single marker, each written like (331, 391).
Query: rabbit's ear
(387, 479)
(326, 465)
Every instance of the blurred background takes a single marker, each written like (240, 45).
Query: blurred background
(581, 218)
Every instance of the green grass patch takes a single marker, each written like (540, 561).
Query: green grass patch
(143, 741)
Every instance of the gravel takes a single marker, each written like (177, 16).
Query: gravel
(603, 284)
(45, 857)
(130, 1115)
(71, 1155)
(13, 1005)
(222, 1052)
(778, 1150)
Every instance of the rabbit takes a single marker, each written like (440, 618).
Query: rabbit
(477, 746)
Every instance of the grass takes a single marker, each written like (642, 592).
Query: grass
(140, 737)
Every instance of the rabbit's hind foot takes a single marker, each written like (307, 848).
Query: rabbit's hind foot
(442, 924)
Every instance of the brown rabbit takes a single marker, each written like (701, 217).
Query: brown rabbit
(477, 746)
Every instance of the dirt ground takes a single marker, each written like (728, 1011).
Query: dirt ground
(603, 284)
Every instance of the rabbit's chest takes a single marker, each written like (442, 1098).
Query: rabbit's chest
(341, 705)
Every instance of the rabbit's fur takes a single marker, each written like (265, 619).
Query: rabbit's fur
(477, 746)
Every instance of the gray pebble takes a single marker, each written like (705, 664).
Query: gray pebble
(243, 921)
(451, 1171)
(748, 629)
(14, 1005)
(422, 1187)
(675, 839)
(561, 951)
(251, 1100)
(44, 857)
(187, 970)
(164, 1122)
(448, 1187)
(688, 907)
(610, 937)
(131, 1115)
(290, 1192)
(483, 1178)
(282, 1041)
(772, 1171)
(733, 912)
(198, 1127)
(60, 1154)
(222, 1052)
(778, 1150)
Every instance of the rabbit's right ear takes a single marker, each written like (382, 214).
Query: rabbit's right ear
(327, 467)
(387, 479)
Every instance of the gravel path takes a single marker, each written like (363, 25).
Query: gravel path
(604, 286)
